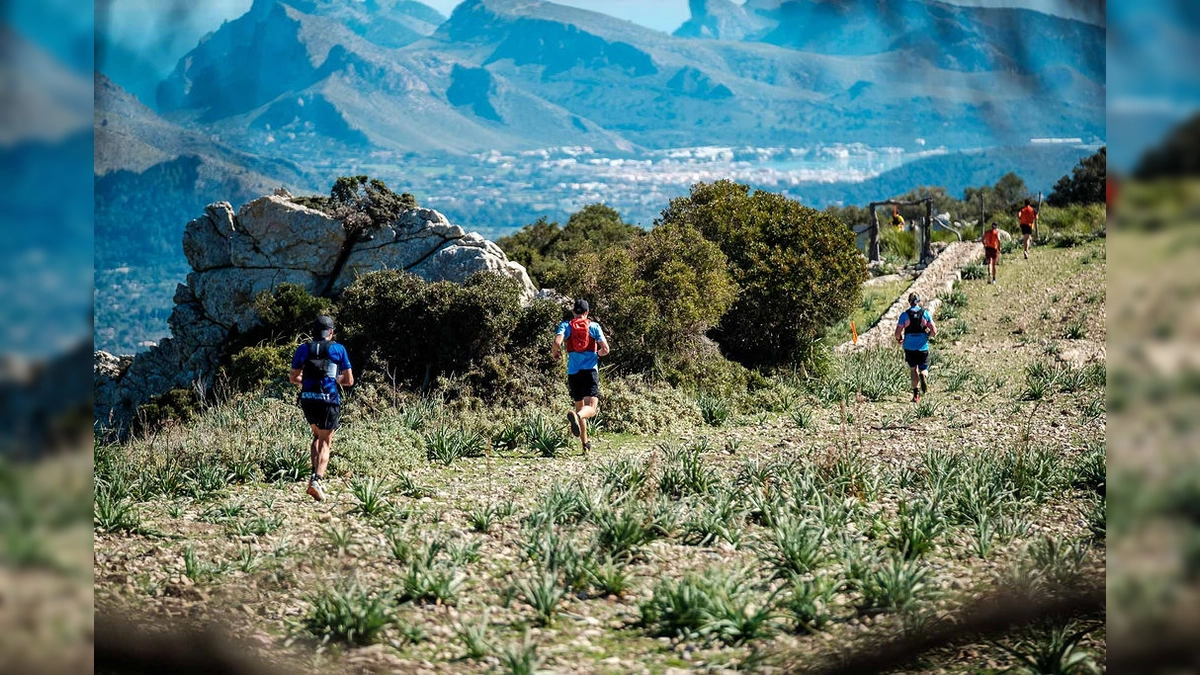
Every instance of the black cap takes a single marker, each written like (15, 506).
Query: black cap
(581, 306)
(913, 298)
(323, 326)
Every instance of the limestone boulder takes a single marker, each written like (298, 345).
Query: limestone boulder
(206, 239)
(276, 233)
(272, 241)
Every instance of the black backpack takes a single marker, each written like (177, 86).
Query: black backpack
(916, 316)
(316, 364)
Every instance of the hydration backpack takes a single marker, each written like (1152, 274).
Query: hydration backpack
(317, 364)
(580, 339)
(916, 319)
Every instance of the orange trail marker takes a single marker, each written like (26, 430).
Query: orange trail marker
(853, 333)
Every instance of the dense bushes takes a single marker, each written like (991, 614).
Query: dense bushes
(759, 273)
(1076, 218)
(1086, 183)
(657, 296)
(797, 268)
(415, 331)
(361, 203)
(544, 249)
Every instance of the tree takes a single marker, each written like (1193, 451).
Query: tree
(543, 247)
(1085, 185)
(797, 268)
(1011, 191)
(361, 203)
(1177, 155)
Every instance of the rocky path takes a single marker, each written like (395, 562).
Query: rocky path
(939, 276)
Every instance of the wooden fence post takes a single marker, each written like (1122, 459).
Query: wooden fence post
(873, 249)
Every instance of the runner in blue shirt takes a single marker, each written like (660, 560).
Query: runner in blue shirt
(913, 331)
(585, 344)
(320, 367)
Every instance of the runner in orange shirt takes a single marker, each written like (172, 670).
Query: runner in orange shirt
(991, 249)
(1028, 217)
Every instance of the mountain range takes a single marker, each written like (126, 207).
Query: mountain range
(331, 76)
(296, 92)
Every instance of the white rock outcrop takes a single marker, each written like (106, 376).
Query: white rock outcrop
(270, 241)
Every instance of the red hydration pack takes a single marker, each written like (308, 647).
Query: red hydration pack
(580, 339)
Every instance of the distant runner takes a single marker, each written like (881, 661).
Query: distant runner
(1028, 216)
(585, 344)
(319, 367)
(913, 330)
(991, 249)
(897, 220)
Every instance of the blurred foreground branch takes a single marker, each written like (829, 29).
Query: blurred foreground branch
(126, 648)
(991, 616)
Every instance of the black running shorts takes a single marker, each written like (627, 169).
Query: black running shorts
(583, 384)
(324, 415)
(1026, 229)
(916, 358)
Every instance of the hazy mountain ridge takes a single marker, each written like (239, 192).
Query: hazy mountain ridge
(570, 76)
(952, 37)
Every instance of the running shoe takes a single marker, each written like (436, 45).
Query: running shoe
(573, 418)
(315, 490)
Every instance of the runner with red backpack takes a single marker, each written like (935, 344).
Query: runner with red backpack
(585, 344)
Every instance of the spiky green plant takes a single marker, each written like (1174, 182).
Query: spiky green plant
(917, 528)
(348, 614)
(543, 594)
(895, 586)
(713, 409)
(810, 602)
(795, 547)
(474, 637)
(370, 495)
(520, 659)
(1052, 649)
(545, 438)
(684, 471)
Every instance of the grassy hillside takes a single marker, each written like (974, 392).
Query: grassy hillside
(768, 529)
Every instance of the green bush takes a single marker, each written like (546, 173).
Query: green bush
(178, 405)
(974, 270)
(633, 405)
(901, 245)
(1086, 183)
(284, 313)
(361, 202)
(657, 297)
(422, 332)
(1075, 218)
(797, 268)
(544, 249)
(253, 368)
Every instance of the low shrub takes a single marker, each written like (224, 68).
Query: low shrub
(254, 368)
(974, 271)
(633, 404)
(715, 606)
(350, 614)
(177, 406)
